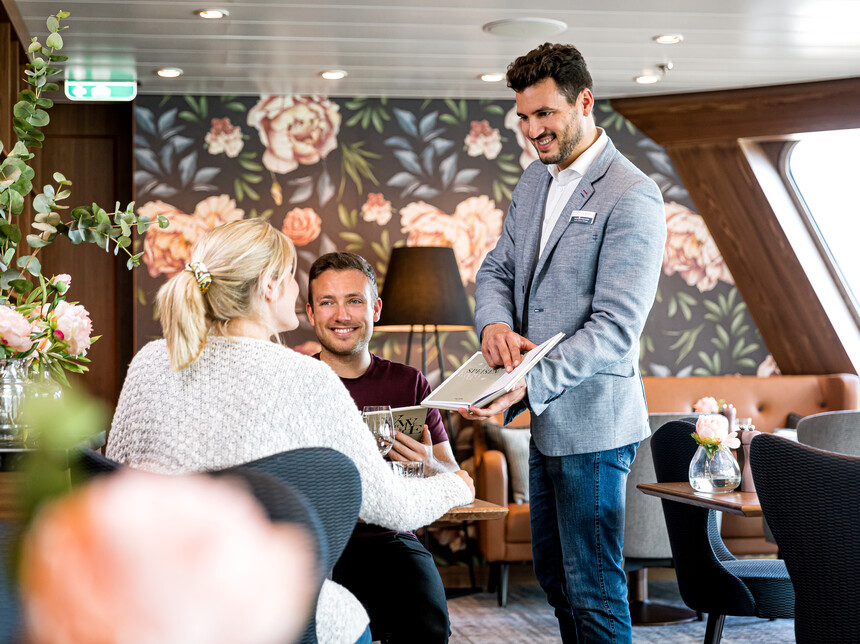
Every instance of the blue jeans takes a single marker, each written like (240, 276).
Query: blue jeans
(577, 522)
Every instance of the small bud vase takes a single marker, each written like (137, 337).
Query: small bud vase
(714, 474)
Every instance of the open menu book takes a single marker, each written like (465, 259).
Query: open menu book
(476, 384)
(409, 420)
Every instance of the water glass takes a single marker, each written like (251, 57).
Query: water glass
(380, 421)
(408, 469)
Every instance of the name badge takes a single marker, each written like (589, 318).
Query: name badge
(582, 217)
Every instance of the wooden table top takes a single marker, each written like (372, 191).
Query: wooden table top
(743, 504)
(477, 510)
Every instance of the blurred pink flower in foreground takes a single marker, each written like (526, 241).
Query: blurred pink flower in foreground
(141, 558)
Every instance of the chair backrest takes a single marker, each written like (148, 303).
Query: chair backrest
(697, 548)
(835, 431)
(330, 482)
(86, 464)
(645, 536)
(810, 500)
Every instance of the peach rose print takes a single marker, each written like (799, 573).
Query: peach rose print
(483, 140)
(529, 154)
(302, 226)
(295, 129)
(167, 250)
(472, 231)
(690, 250)
(377, 208)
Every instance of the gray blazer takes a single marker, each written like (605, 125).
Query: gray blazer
(594, 281)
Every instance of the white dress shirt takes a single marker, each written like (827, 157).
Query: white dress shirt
(564, 183)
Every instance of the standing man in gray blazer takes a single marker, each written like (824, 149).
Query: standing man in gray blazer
(580, 253)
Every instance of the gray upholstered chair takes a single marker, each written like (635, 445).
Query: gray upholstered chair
(834, 431)
(646, 541)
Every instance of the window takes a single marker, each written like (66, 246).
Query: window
(825, 170)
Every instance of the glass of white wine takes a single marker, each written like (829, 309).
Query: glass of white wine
(380, 421)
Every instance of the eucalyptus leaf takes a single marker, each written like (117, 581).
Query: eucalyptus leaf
(55, 41)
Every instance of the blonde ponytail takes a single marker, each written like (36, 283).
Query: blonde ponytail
(183, 319)
(239, 258)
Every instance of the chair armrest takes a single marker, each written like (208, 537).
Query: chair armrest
(492, 474)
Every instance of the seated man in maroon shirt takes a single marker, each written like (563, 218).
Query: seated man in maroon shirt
(380, 567)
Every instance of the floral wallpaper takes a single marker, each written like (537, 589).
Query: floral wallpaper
(367, 175)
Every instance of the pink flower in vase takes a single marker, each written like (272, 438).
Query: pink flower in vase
(14, 329)
(74, 327)
(706, 405)
(62, 282)
(713, 430)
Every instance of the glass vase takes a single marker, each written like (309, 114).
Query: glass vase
(714, 474)
(13, 387)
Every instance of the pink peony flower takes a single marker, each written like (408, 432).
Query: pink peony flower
(140, 558)
(483, 140)
(377, 208)
(15, 329)
(62, 282)
(713, 429)
(706, 405)
(472, 231)
(768, 367)
(225, 137)
(529, 154)
(73, 326)
(295, 129)
(691, 251)
(302, 226)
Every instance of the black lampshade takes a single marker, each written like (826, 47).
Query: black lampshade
(423, 288)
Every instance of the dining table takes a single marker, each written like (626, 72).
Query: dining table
(743, 504)
(477, 510)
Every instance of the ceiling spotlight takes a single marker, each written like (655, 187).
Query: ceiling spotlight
(213, 14)
(333, 74)
(650, 77)
(668, 39)
(491, 78)
(525, 27)
(169, 72)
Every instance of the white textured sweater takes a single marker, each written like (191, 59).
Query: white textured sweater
(244, 399)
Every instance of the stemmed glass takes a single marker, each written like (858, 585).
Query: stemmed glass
(380, 421)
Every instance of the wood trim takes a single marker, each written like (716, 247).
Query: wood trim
(780, 110)
(701, 133)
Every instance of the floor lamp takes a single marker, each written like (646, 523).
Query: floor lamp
(423, 291)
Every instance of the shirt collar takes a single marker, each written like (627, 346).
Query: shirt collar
(581, 164)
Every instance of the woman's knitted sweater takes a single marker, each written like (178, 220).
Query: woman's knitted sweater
(243, 399)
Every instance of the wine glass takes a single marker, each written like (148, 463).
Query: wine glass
(380, 421)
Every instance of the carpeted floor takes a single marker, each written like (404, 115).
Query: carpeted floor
(477, 619)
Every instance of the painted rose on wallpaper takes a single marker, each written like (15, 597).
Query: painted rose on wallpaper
(167, 250)
(295, 129)
(472, 231)
(224, 138)
(483, 140)
(302, 226)
(376, 209)
(529, 154)
(691, 251)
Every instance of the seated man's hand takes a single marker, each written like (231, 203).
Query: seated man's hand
(502, 347)
(499, 405)
(409, 449)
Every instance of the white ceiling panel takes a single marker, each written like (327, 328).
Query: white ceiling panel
(437, 48)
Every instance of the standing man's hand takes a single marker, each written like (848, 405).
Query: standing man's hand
(499, 405)
(502, 347)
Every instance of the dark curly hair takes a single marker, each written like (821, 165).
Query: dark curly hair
(562, 63)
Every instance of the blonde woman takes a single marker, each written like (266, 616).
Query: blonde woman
(217, 391)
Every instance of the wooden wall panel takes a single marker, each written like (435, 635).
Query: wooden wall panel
(91, 145)
(701, 134)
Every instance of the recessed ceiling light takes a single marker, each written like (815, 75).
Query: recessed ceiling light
(647, 79)
(169, 72)
(525, 27)
(668, 39)
(491, 78)
(213, 14)
(333, 74)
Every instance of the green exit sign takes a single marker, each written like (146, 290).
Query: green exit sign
(83, 90)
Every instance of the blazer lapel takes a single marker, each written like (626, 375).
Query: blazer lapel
(531, 231)
(583, 193)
